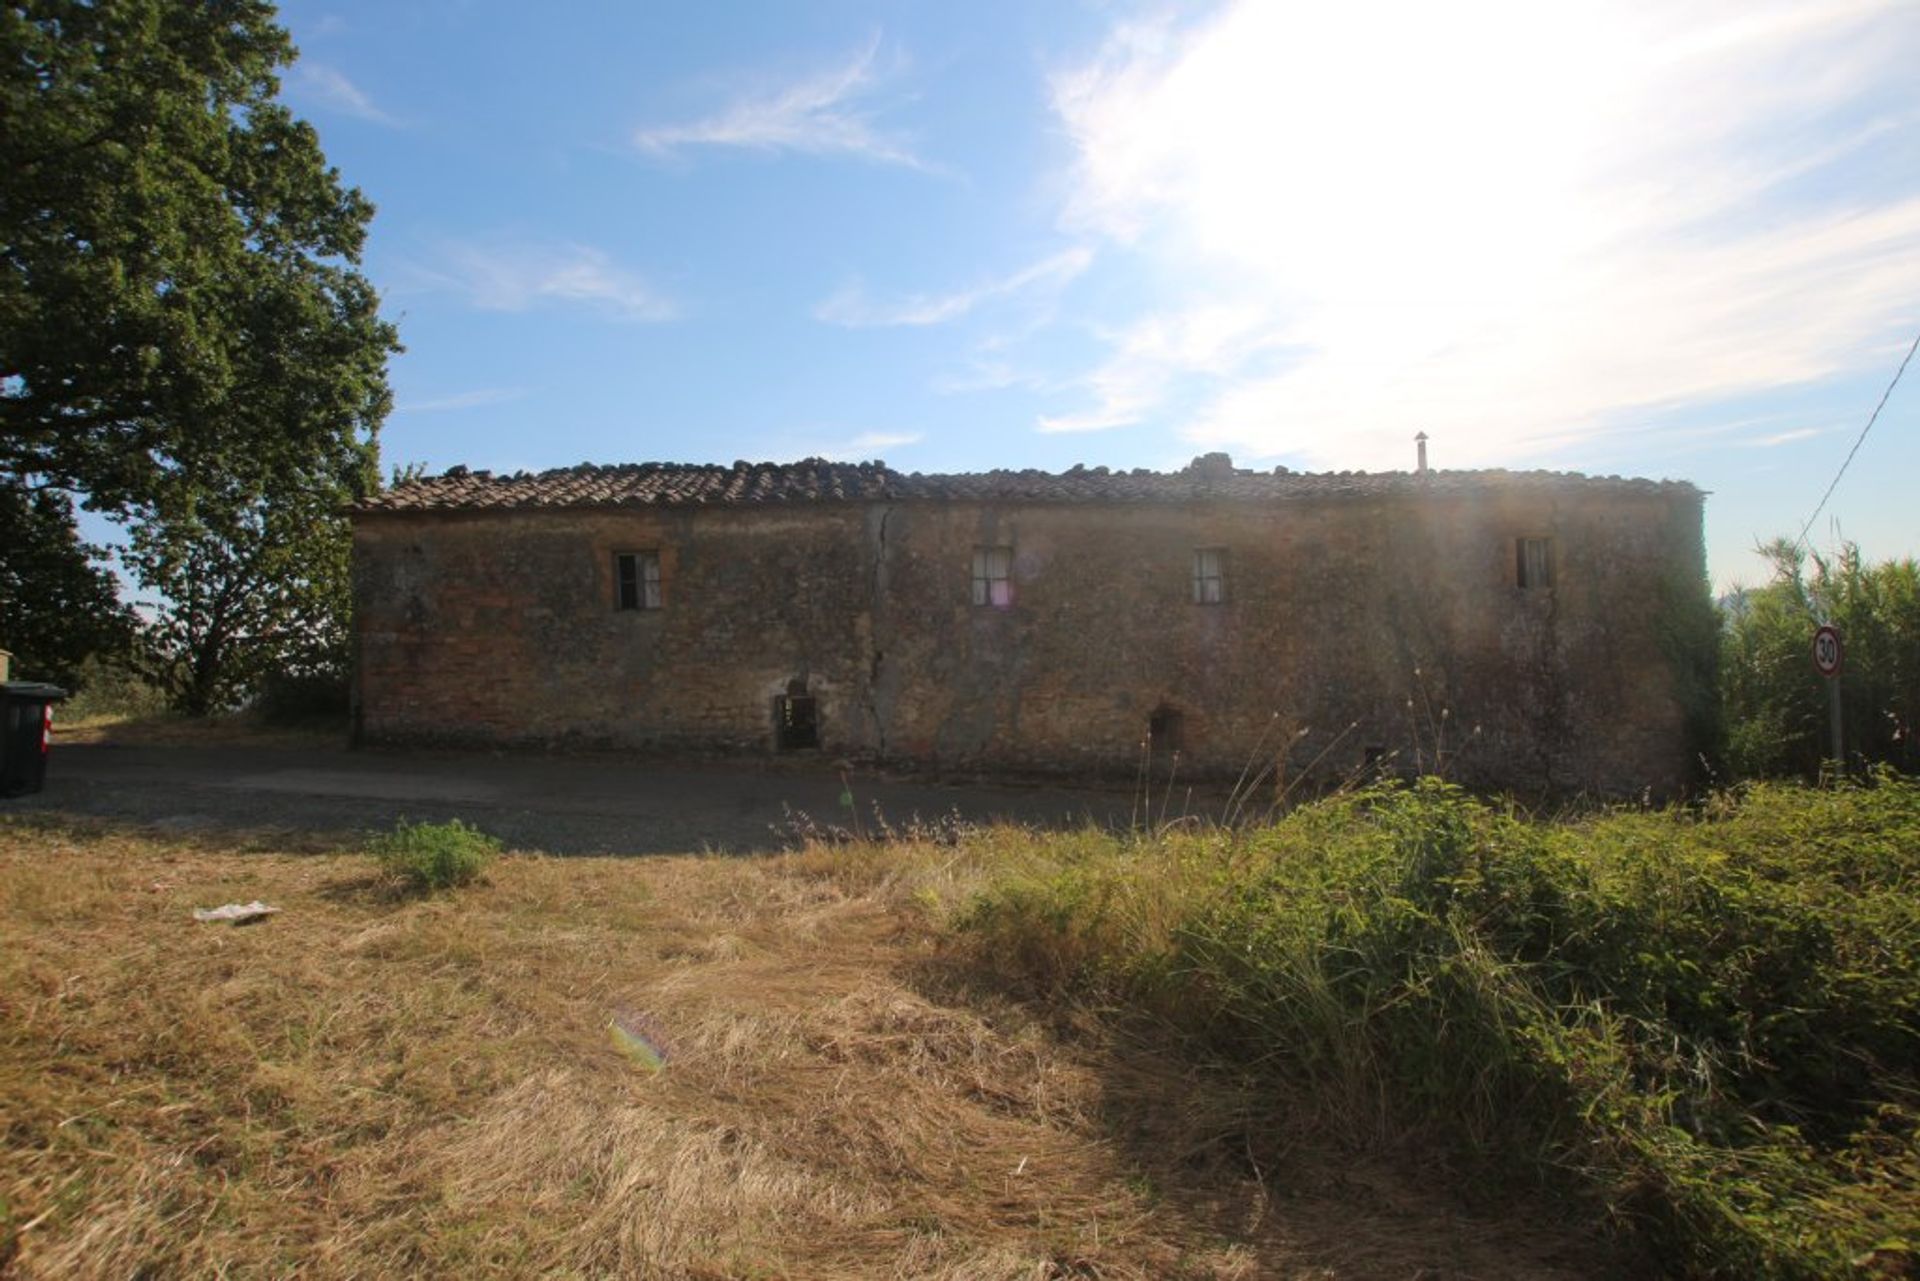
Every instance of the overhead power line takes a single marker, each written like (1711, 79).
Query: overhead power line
(1801, 541)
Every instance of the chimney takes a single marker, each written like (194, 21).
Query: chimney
(1421, 441)
(1215, 466)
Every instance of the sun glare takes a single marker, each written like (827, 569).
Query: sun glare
(1478, 218)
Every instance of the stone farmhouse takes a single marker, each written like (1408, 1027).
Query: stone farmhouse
(1527, 627)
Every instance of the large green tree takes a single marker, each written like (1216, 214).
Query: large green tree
(254, 587)
(1776, 705)
(59, 605)
(172, 244)
(182, 318)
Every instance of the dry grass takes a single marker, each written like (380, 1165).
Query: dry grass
(367, 1085)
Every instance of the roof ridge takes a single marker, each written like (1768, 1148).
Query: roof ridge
(815, 479)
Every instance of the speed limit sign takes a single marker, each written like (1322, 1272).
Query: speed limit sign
(1826, 650)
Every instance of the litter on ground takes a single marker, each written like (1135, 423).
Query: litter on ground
(238, 913)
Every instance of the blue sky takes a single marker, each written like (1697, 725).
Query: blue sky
(1638, 238)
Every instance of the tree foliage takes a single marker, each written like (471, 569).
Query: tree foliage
(1777, 705)
(60, 606)
(255, 583)
(185, 338)
(172, 246)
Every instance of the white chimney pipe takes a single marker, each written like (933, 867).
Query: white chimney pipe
(1421, 441)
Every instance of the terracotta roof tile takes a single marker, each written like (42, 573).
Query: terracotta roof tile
(1210, 478)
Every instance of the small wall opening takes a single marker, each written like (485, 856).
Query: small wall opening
(796, 719)
(1166, 730)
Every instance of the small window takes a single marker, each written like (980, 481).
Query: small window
(1534, 562)
(636, 577)
(993, 576)
(1209, 575)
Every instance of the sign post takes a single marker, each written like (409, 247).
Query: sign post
(1828, 654)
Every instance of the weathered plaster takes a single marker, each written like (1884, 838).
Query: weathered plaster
(1393, 623)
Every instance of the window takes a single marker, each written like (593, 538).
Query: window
(636, 580)
(1533, 559)
(993, 576)
(1209, 575)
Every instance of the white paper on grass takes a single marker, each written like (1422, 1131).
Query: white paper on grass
(238, 913)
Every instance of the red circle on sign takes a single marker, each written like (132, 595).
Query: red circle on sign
(1827, 651)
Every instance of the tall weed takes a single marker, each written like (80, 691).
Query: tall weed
(1709, 1016)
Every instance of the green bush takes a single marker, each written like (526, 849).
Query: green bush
(1709, 1017)
(104, 688)
(1775, 704)
(433, 856)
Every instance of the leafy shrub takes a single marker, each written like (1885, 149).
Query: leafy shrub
(1709, 1017)
(433, 856)
(1774, 703)
(105, 688)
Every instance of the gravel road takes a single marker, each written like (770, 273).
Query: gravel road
(563, 805)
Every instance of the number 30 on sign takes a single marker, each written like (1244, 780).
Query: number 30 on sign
(1826, 650)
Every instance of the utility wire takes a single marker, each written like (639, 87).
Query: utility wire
(1801, 541)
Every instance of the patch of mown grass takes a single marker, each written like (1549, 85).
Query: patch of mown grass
(433, 856)
(364, 1087)
(1709, 1016)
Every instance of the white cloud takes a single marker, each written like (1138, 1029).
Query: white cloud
(1209, 340)
(1786, 437)
(330, 87)
(1509, 224)
(853, 308)
(865, 446)
(885, 439)
(507, 274)
(827, 113)
(461, 400)
(984, 374)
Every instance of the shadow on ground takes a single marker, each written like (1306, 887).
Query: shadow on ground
(557, 804)
(1242, 1161)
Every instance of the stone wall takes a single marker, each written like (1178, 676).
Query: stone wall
(1351, 627)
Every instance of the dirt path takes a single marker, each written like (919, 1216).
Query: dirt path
(569, 805)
